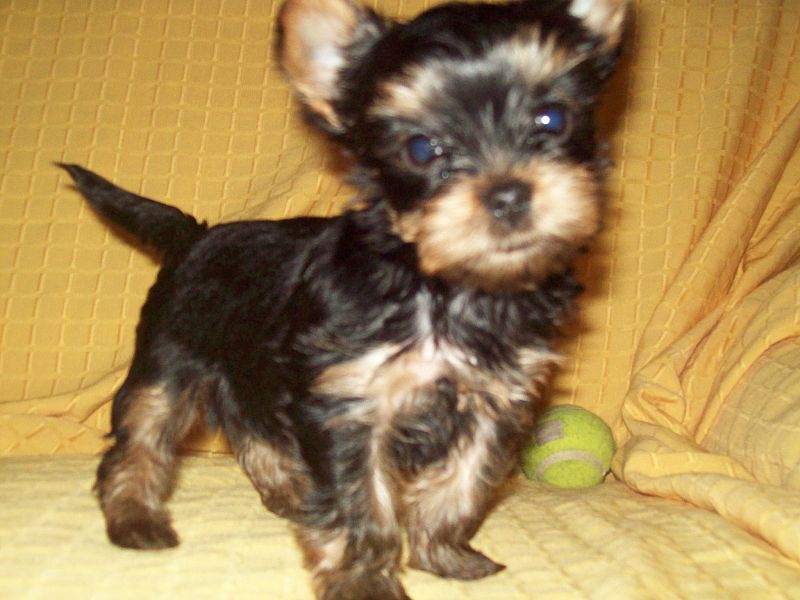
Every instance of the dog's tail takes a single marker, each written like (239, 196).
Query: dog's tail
(164, 228)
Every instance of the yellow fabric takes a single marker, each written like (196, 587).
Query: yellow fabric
(711, 413)
(607, 543)
(688, 338)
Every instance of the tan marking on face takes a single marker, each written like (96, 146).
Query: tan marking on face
(533, 58)
(448, 230)
(565, 202)
(457, 238)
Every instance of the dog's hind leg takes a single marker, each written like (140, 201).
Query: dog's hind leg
(136, 474)
(281, 480)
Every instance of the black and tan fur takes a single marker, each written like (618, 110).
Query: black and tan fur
(378, 371)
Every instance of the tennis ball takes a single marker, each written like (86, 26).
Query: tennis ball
(571, 448)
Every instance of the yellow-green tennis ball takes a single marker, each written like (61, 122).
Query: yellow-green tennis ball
(571, 448)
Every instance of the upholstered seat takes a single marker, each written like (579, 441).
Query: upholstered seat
(688, 343)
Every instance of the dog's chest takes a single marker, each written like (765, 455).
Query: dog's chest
(392, 376)
(430, 374)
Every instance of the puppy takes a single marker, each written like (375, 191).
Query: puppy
(381, 369)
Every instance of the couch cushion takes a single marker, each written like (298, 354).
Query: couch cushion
(605, 542)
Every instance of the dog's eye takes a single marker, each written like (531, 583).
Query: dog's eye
(422, 150)
(552, 119)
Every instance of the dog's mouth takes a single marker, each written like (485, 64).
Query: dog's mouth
(514, 264)
(515, 245)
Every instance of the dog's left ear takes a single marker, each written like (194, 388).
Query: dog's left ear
(607, 19)
(317, 39)
(603, 17)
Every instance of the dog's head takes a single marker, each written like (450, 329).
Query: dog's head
(473, 122)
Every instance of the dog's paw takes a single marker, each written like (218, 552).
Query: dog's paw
(141, 528)
(363, 586)
(454, 562)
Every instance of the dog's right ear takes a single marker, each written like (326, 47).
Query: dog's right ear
(316, 40)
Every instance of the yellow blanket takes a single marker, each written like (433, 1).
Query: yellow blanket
(689, 340)
(607, 543)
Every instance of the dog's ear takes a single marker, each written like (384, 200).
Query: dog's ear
(608, 19)
(604, 17)
(316, 40)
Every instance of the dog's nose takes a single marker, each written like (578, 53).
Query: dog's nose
(509, 201)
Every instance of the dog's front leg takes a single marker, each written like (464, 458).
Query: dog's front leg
(352, 544)
(448, 503)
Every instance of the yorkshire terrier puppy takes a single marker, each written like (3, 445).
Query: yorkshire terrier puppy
(379, 370)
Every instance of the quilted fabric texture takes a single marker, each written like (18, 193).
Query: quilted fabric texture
(608, 542)
(688, 342)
